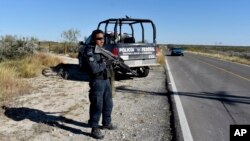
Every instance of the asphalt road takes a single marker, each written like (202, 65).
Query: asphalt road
(214, 94)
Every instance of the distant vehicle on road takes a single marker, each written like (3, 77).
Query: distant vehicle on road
(177, 51)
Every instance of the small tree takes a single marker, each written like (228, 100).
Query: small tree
(70, 38)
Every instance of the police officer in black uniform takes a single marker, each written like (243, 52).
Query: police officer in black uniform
(100, 94)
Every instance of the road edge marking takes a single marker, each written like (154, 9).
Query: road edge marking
(186, 133)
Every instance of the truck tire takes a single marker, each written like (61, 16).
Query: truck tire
(143, 71)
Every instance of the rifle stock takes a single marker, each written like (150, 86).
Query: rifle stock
(110, 56)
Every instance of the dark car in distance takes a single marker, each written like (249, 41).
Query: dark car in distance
(177, 51)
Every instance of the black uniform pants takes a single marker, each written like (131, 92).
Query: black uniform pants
(100, 102)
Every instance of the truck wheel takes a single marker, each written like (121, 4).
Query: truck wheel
(143, 71)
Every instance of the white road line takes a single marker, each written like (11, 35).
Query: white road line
(187, 136)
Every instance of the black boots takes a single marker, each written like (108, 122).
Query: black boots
(96, 133)
(109, 127)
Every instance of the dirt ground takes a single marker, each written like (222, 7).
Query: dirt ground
(57, 109)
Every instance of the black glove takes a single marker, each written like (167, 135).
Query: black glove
(116, 62)
(109, 62)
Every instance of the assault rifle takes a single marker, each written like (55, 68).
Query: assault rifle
(116, 60)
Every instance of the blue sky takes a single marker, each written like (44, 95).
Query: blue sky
(211, 22)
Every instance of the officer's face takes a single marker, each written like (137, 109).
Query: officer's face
(99, 39)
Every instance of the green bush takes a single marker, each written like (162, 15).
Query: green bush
(13, 47)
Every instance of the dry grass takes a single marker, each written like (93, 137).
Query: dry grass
(10, 84)
(31, 66)
(73, 55)
(12, 72)
(48, 60)
(237, 54)
(225, 57)
(23, 68)
(161, 57)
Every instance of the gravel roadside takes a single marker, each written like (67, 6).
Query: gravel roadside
(57, 110)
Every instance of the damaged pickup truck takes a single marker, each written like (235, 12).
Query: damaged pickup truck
(125, 41)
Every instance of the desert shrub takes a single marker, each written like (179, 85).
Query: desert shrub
(58, 47)
(13, 47)
(70, 38)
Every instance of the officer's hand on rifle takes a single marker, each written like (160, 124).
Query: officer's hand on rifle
(109, 62)
(116, 62)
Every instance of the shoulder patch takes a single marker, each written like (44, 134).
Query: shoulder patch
(91, 59)
(89, 52)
